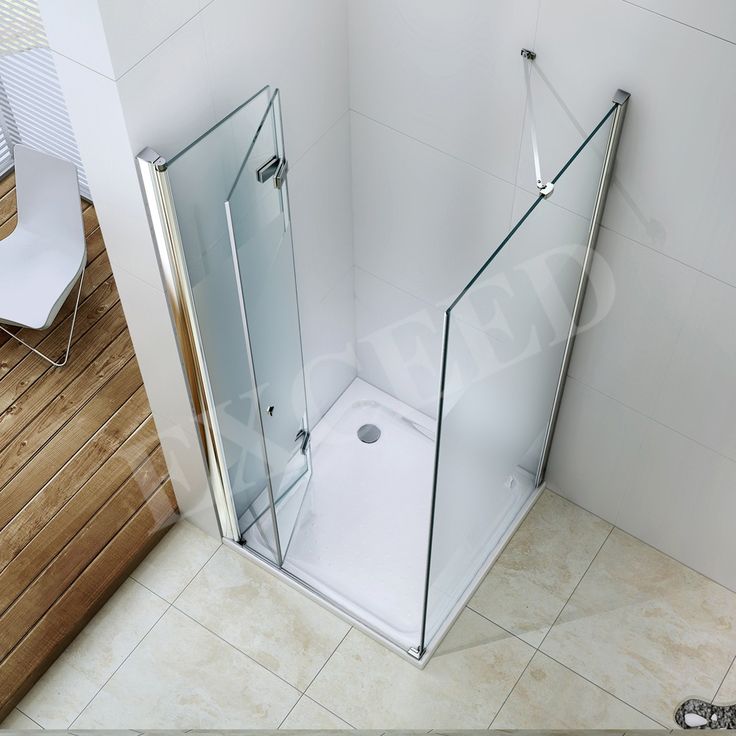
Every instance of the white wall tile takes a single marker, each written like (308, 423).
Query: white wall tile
(399, 342)
(78, 35)
(423, 220)
(714, 16)
(698, 392)
(134, 29)
(679, 497)
(166, 97)
(100, 128)
(628, 336)
(448, 74)
(595, 442)
(675, 163)
(328, 342)
(296, 46)
(321, 213)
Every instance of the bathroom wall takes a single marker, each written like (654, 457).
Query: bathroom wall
(158, 74)
(442, 157)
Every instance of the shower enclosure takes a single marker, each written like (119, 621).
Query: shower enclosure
(385, 514)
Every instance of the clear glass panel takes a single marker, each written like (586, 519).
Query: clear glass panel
(260, 232)
(201, 178)
(505, 338)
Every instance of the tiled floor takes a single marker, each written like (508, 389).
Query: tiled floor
(577, 626)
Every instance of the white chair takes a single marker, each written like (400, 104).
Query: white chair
(41, 260)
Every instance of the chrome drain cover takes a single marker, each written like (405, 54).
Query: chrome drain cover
(369, 433)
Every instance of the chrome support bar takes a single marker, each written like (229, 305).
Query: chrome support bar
(621, 100)
(159, 200)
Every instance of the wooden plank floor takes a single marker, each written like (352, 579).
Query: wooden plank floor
(84, 489)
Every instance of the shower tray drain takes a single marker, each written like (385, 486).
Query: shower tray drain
(369, 433)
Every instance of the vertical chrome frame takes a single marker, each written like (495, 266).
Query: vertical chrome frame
(621, 102)
(152, 171)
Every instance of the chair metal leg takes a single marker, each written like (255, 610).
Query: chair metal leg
(62, 363)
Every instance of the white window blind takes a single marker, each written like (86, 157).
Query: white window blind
(32, 108)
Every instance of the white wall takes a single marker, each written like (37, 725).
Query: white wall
(158, 73)
(441, 151)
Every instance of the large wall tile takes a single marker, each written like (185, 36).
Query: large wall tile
(675, 166)
(448, 74)
(300, 47)
(628, 336)
(65, 31)
(698, 392)
(134, 29)
(423, 220)
(328, 342)
(716, 16)
(399, 342)
(595, 441)
(167, 97)
(321, 209)
(99, 125)
(681, 497)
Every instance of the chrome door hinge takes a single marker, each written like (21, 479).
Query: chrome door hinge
(281, 174)
(275, 168)
(304, 436)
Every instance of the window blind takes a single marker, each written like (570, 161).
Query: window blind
(32, 107)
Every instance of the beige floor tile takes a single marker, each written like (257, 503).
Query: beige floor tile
(463, 686)
(549, 696)
(536, 573)
(646, 629)
(175, 560)
(262, 616)
(74, 679)
(18, 721)
(183, 676)
(308, 715)
(727, 691)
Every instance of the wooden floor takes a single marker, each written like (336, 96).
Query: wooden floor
(84, 489)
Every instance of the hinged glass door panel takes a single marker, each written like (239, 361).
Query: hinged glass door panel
(260, 235)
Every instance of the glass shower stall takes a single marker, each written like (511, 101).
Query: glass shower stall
(387, 515)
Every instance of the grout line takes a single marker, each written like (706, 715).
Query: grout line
(599, 687)
(513, 687)
(169, 606)
(319, 671)
(152, 592)
(538, 648)
(298, 700)
(162, 42)
(327, 131)
(17, 707)
(237, 649)
(728, 672)
(127, 657)
(311, 682)
(651, 419)
(577, 585)
(195, 576)
(434, 148)
(680, 22)
(316, 702)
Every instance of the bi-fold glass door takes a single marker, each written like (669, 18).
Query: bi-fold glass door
(230, 192)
